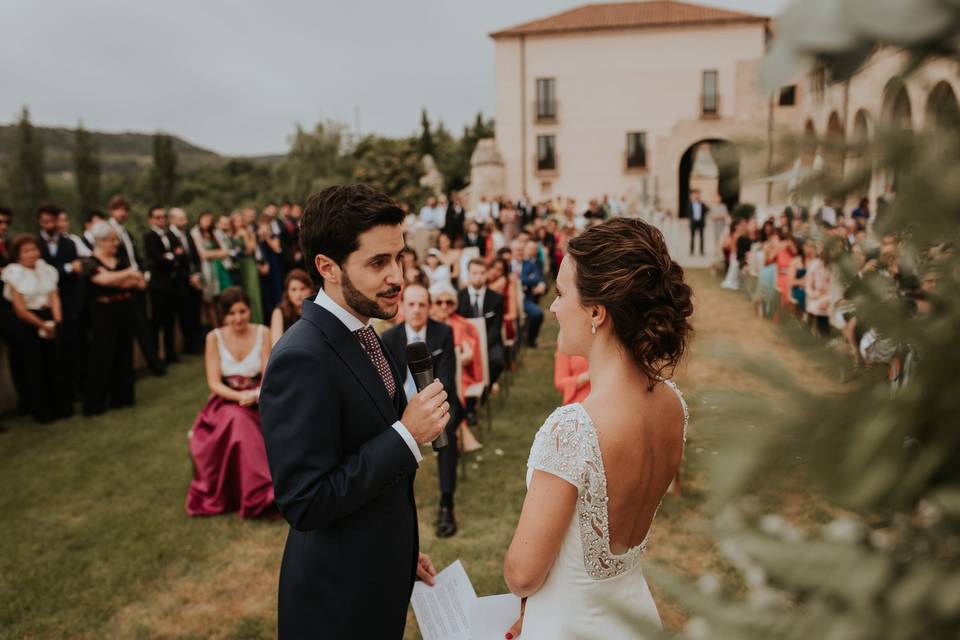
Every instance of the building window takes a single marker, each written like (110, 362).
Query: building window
(546, 105)
(709, 96)
(788, 96)
(636, 150)
(546, 153)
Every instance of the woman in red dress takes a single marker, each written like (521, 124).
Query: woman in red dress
(571, 377)
(230, 471)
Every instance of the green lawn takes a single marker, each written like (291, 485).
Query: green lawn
(95, 542)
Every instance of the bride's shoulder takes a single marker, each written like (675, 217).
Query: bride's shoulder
(568, 417)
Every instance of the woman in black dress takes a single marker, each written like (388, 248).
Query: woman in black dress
(110, 286)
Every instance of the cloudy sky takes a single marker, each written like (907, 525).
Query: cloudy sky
(236, 75)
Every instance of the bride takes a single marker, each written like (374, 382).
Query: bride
(598, 470)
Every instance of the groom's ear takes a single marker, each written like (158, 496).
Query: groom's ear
(328, 269)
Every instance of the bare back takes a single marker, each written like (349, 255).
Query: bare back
(641, 441)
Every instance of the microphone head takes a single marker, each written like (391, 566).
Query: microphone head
(418, 357)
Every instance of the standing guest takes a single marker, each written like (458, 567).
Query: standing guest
(503, 281)
(215, 275)
(454, 220)
(63, 226)
(190, 285)
(110, 287)
(484, 210)
(466, 341)
(289, 219)
(230, 471)
(494, 239)
(786, 252)
(59, 251)
(449, 255)
(8, 319)
(798, 278)
(30, 285)
(473, 237)
(223, 232)
(509, 222)
(827, 215)
(245, 246)
(571, 377)
(89, 221)
(435, 270)
(271, 282)
(697, 214)
(477, 301)
(817, 292)
(296, 288)
(861, 215)
(534, 286)
(165, 264)
(119, 211)
(418, 327)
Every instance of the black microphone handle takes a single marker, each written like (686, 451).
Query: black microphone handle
(423, 379)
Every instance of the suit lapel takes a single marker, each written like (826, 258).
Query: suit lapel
(347, 347)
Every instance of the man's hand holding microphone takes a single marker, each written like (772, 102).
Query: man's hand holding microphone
(427, 413)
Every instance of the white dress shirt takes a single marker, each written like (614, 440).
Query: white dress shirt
(478, 295)
(352, 323)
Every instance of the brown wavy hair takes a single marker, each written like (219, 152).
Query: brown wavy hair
(623, 265)
(290, 314)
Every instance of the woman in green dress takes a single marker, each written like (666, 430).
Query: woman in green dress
(245, 244)
(212, 256)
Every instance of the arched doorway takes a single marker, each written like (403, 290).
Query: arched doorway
(943, 111)
(834, 145)
(858, 159)
(808, 145)
(898, 114)
(712, 166)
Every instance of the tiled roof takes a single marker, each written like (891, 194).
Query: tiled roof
(628, 15)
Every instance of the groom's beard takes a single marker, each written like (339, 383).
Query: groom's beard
(363, 305)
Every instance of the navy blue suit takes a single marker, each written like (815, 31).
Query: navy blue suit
(343, 479)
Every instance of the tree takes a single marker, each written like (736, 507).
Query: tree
(425, 145)
(315, 160)
(26, 179)
(391, 166)
(163, 173)
(86, 161)
(883, 449)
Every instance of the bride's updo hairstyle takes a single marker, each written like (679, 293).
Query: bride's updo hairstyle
(623, 265)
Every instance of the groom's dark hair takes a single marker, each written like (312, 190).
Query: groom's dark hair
(334, 218)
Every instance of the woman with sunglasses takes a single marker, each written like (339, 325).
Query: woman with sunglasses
(466, 340)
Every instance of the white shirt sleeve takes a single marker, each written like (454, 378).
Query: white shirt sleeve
(411, 443)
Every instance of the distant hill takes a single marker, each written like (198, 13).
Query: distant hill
(120, 153)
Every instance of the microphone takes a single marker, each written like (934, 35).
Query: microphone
(421, 366)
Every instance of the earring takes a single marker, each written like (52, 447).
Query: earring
(593, 329)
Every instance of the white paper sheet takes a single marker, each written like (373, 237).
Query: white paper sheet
(451, 610)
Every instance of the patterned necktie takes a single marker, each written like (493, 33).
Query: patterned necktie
(368, 339)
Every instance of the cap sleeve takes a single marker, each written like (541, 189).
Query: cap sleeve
(560, 446)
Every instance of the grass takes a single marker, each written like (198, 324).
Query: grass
(95, 542)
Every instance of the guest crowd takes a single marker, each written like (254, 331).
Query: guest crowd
(816, 268)
(74, 306)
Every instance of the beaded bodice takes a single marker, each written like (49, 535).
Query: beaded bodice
(567, 446)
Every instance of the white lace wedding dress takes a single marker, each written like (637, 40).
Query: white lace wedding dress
(587, 582)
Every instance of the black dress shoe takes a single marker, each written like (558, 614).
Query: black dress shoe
(446, 525)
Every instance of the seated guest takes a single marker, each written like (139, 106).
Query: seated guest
(418, 327)
(435, 270)
(296, 288)
(500, 279)
(30, 285)
(534, 286)
(412, 273)
(466, 341)
(449, 256)
(110, 285)
(477, 301)
(230, 471)
(571, 377)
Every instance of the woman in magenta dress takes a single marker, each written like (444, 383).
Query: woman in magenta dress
(230, 471)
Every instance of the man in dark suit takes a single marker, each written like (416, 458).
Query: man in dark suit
(476, 301)
(418, 327)
(456, 216)
(473, 237)
(8, 319)
(60, 252)
(697, 214)
(342, 439)
(119, 210)
(166, 263)
(189, 286)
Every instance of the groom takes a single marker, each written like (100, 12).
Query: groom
(342, 439)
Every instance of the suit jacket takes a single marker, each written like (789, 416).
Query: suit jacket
(492, 313)
(453, 226)
(191, 257)
(69, 281)
(703, 215)
(439, 341)
(343, 480)
(166, 271)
